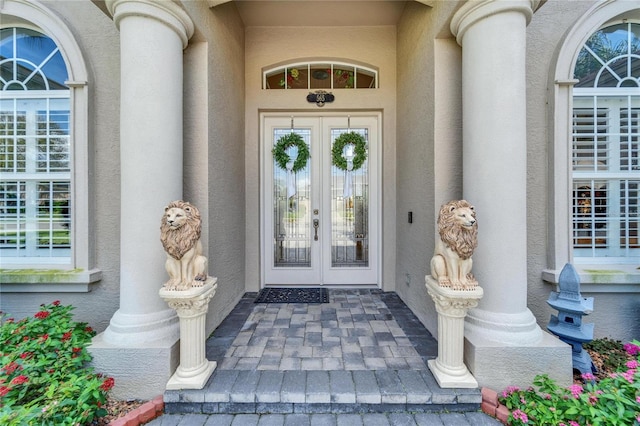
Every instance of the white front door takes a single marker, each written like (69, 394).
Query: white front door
(320, 222)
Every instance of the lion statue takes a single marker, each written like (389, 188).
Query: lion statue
(451, 262)
(180, 235)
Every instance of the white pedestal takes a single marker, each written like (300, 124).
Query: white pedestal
(191, 306)
(452, 306)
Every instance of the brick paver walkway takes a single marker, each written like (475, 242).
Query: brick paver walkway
(355, 331)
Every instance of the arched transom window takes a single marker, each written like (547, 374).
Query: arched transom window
(606, 145)
(320, 75)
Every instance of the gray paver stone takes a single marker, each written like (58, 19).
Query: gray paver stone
(297, 420)
(245, 420)
(271, 420)
(391, 388)
(349, 420)
(193, 420)
(222, 382)
(293, 386)
(318, 390)
(454, 419)
(269, 386)
(375, 419)
(428, 419)
(219, 420)
(417, 390)
(244, 389)
(367, 390)
(439, 395)
(343, 389)
(402, 419)
(323, 420)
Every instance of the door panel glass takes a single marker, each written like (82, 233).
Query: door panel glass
(350, 209)
(292, 208)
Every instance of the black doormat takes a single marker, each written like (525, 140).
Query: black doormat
(293, 295)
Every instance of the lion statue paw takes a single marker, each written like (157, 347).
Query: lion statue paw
(451, 263)
(180, 236)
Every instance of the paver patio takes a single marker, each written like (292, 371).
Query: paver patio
(363, 353)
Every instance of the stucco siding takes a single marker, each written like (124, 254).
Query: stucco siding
(424, 176)
(214, 148)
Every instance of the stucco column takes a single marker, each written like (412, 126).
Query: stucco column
(141, 340)
(492, 34)
(152, 37)
(503, 343)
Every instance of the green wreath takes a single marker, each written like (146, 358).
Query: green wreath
(279, 152)
(360, 148)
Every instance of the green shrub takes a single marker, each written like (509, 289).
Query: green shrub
(613, 400)
(44, 374)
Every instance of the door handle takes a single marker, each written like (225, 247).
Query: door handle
(316, 225)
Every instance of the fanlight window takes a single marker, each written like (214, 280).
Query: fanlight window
(320, 75)
(606, 145)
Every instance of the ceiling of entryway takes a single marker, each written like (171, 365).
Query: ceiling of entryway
(315, 13)
(319, 13)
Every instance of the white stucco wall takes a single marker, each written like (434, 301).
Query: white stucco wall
(370, 45)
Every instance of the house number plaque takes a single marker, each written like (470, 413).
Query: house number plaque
(320, 97)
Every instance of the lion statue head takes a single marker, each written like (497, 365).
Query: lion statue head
(180, 228)
(458, 227)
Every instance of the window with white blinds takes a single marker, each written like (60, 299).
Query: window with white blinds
(35, 149)
(606, 145)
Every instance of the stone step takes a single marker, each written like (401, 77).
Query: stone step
(309, 392)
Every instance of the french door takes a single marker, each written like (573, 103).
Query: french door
(320, 220)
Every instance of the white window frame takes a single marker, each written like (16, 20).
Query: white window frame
(595, 277)
(80, 269)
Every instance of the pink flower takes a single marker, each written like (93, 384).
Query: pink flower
(4, 390)
(593, 399)
(631, 348)
(510, 390)
(632, 364)
(573, 423)
(520, 415)
(576, 390)
(628, 376)
(588, 377)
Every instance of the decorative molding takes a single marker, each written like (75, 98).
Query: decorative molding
(166, 12)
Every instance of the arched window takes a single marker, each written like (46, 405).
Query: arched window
(596, 180)
(320, 75)
(606, 144)
(44, 152)
(35, 152)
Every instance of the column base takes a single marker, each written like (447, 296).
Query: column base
(498, 365)
(447, 380)
(141, 372)
(179, 381)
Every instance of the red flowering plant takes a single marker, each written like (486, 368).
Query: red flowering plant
(44, 374)
(610, 400)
